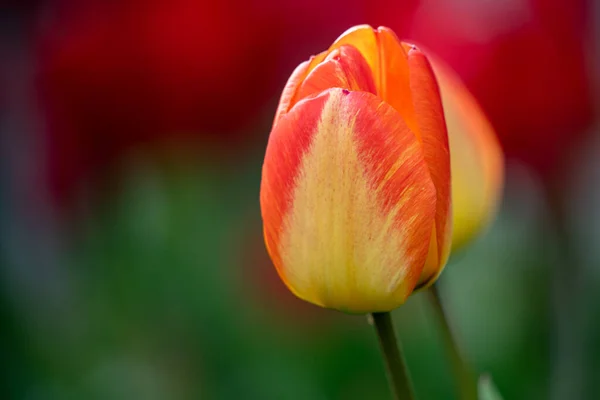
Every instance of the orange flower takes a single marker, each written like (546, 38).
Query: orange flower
(356, 185)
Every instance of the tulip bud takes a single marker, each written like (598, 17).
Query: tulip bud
(356, 188)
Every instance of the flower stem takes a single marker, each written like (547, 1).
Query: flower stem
(465, 382)
(396, 369)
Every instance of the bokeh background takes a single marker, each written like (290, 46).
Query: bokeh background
(132, 264)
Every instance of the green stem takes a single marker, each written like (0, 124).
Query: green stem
(463, 375)
(396, 369)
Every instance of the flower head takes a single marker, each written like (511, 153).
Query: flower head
(356, 185)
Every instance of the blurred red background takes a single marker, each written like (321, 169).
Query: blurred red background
(114, 75)
(119, 74)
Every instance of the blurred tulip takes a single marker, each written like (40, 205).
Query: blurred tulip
(355, 195)
(477, 160)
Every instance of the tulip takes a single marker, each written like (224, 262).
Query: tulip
(355, 191)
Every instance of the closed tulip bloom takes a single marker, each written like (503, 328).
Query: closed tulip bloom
(355, 192)
(356, 185)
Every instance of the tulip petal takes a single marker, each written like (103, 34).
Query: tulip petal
(343, 68)
(289, 91)
(477, 161)
(395, 77)
(288, 96)
(347, 201)
(432, 127)
(364, 39)
(388, 61)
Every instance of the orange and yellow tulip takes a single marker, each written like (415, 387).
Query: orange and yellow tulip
(356, 185)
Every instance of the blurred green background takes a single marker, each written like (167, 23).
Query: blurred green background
(132, 264)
